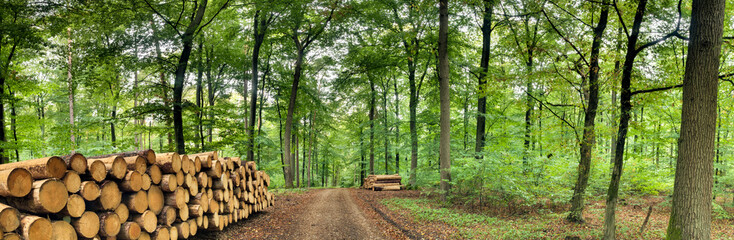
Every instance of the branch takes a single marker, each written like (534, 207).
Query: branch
(570, 14)
(655, 89)
(180, 14)
(565, 39)
(164, 18)
(213, 17)
(621, 20)
(725, 78)
(555, 114)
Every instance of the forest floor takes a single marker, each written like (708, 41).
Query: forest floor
(410, 214)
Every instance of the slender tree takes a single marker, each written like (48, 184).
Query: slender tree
(443, 76)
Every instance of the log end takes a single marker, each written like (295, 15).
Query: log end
(19, 182)
(53, 196)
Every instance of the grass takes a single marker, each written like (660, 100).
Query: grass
(533, 226)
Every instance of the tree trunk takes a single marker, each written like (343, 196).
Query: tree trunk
(484, 66)
(187, 39)
(310, 149)
(199, 95)
(13, 125)
(397, 128)
(588, 140)
(412, 105)
(372, 126)
(626, 107)
(71, 99)
(289, 117)
(385, 89)
(690, 217)
(443, 76)
(259, 30)
(211, 92)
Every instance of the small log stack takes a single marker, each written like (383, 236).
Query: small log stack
(383, 182)
(131, 195)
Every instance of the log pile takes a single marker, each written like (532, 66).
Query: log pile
(383, 182)
(132, 195)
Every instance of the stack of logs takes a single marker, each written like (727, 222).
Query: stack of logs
(383, 182)
(132, 195)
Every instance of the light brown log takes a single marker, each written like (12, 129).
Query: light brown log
(87, 225)
(136, 202)
(192, 167)
(206, 160)
(89, 190)
(75, 206)
(122, 212)
(197, 164)
(76, 162)
(144, 236)
(168, 183)
(155, 174)
(180, 178)
(97, 171)
(116, 166)
(230, 163)
(183, 229)
(109, 224)
(61, 230)
(147, 221)
(183, 213)
(209, 193)
(129, 231)
(213, 221)
(193, 228)
(176, 198)
(41, 168)
(185, 163)
(173, 231)
(168, 162)
(146, 182)
(216, 170)
(161, 233)
(218, 195)
(209, 181)
(136, 163)
(148, 154)
(9, 218)
(132, 182)
(213, 206)
(205, 222)
(193, 189)
(201, 200)
(195, 210)
(202, 178)
(33, 227)
(11, 236)
(167, 216)
(47, 196)
(187, 197)
(218, 184)
(155, 199)
(109, 198)
(15, 182)
(72, 181)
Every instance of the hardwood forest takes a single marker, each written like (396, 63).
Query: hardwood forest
(562, 119)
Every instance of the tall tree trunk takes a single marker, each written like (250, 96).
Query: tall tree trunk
(372, 126)
(482, 87)
(187, 39)
(529, 105)
(71, 98)
(260, 106)
(385, 88)
(690, 217)
(283, 153)
(310, 149)
(625, 109)
(259, 30)
(614, 102)
(397, 128)
(296, 159)
(289, 117)
(362, 174)
(3, 72)
(588, 140)
(13, 125)
(199, 95)
(412, 105)
(443, 76)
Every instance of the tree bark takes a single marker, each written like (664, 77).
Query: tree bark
(71, 97)
(482, 87)
(397, 128)
(443, 76)
(187, 39)
(588, 141)
(289, 116)
(260, 27)
(690, 217)
(199, 95)
(412, 105)
(372, 126)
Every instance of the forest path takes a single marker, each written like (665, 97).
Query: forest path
(332, 214)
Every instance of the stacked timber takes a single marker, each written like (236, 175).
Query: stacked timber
(131, 195)
(383, 182)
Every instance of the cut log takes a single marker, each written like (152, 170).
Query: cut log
(216, 170)
(195, 210)
(168, 162)
(89, 190)
(33, 227)
(168, 183)
(176, 198)
(183, 213)
(11, 236)
(155, 174)
(136, 202)
(86, 226)
(167, 216)
(148, 154)
(132, 182)
(202, 179)
(41, 168)
(129, 231)
(109, 224)
(61, 230)
(197, 164)
(136, 163)
(173, 231)
(201, 200)
(180, 178)
(183, 229)
(97, 171)
(186, 164)
(146, 182)
(161, 233)
(15, 182)
(116, 166)
(147, 221)
(9, 218)
(193, 228)
(109, 198)
(144, 236)
(76, 162)
(75, 206)
(122, 212)
(47, 196)
(72, 181)
(155, 199)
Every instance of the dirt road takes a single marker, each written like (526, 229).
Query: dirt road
(332, 214)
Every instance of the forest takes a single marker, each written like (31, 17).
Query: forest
(514, 103)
